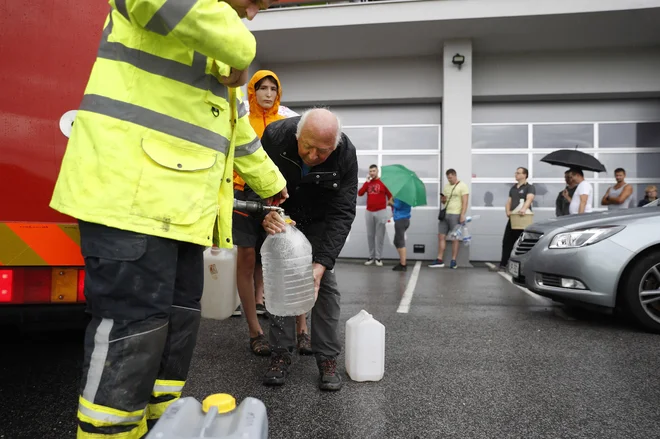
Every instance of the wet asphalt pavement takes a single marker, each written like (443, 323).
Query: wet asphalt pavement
(475, 357)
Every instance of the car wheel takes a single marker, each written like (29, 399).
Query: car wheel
(641, 294)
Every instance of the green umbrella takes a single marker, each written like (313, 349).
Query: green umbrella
(404, 184)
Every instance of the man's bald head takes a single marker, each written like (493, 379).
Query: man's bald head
(321, 123)
(318, 134)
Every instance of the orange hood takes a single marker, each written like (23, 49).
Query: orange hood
(259, 117)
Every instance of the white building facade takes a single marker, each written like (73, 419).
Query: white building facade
(537, 75)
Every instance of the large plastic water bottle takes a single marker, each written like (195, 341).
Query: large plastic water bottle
(220, 296)
(288, 275)
(365, 348)
(467, 238)
(457, 232)
(216, 418)
(460, 231)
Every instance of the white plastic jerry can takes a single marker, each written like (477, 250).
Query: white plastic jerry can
(365, 348)
(220, 297)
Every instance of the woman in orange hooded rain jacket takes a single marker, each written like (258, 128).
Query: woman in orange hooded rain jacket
(264, 95)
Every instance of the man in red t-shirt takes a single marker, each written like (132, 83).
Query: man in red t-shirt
(377, 215)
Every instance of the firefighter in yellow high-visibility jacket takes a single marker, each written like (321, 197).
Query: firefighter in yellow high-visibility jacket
(148, 174)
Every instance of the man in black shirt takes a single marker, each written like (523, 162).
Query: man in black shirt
(563, 201)
(521, 193)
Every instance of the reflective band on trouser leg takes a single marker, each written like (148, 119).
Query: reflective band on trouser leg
(165, 393)
(99, 422)
(162, 387)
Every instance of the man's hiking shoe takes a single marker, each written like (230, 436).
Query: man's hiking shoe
(278, 370)
(329, 378)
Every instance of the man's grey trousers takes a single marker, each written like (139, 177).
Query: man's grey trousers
(376, 232)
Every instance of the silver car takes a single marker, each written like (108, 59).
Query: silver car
(607, 259)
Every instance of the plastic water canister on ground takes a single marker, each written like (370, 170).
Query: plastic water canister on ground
(365, 348)
(220, 297)
(288, 275)
(216, 418)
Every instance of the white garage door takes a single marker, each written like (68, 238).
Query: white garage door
(621, 134)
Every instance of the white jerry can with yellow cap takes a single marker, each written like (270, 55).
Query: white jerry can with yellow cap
(217, 417)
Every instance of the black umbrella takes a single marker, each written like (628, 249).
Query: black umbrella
(572, 158)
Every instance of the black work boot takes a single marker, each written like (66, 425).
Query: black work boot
(278, 369)
(329, 378)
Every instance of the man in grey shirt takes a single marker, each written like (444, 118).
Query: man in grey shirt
(618, 196)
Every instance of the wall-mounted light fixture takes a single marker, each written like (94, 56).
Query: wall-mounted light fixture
(458, 60)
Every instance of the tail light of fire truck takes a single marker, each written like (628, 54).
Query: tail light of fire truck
(36, 285)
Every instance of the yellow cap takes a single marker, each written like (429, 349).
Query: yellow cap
(223, 401)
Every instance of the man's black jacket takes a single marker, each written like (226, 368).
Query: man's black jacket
(323, 202)
(561, 204)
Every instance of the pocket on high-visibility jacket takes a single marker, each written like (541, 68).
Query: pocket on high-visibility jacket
(173, 182)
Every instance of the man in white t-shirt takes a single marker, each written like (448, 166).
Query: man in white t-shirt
(582, 200)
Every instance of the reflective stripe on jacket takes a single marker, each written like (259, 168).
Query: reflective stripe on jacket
(156, 137)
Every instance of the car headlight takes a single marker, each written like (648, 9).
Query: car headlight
(583, 237)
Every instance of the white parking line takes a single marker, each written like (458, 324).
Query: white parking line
(507, 276)
(404, 305)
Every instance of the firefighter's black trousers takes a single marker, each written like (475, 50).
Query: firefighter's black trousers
(143, 293)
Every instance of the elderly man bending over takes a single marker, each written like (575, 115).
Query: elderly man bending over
(320, 167)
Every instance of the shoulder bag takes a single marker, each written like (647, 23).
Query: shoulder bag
(443, 210)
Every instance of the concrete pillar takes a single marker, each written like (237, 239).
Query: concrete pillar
(457, 122)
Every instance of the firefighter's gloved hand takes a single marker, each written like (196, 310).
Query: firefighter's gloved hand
(236, 78)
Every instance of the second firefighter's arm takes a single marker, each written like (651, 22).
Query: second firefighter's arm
(209, 27)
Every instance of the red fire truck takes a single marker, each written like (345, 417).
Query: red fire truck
(47, 51)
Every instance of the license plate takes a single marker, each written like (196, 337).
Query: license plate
(514, 268)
